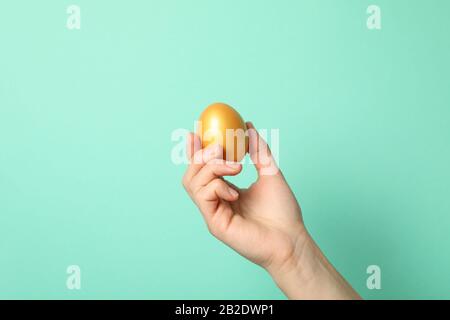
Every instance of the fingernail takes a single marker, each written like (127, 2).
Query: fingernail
(252, 133)
(233, 192)
(233, 165)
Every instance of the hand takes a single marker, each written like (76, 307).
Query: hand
(263, 223)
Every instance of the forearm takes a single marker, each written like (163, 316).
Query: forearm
(309, 275)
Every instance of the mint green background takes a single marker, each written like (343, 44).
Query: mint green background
(85, 139)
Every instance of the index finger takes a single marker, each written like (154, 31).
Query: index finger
(200, 158)
(193, 144)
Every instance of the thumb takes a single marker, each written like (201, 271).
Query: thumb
(260, 153)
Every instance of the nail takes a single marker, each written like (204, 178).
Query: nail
(252, 134)
(233, 192)
(233, 165)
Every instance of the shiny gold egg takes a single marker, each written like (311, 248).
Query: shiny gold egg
(221, 124)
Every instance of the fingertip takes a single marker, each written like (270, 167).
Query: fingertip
(193, 144)
(253, 140)
(233, 165)
(252, 132)
(197, 142)
(189, 145)
(233, 194)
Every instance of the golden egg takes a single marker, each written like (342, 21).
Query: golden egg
(221, 124)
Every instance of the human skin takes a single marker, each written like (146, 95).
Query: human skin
(262, 223)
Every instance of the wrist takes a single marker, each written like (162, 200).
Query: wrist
(309, 275)
(300, 270)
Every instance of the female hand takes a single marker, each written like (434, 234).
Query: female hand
(263, 223)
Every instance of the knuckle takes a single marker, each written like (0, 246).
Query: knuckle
(198, 157)
(199, 194)
(188, 185)
(212, 228)
(217, 228)
(184, 181)
(216, 184)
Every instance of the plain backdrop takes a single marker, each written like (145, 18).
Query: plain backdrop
(86, 118)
